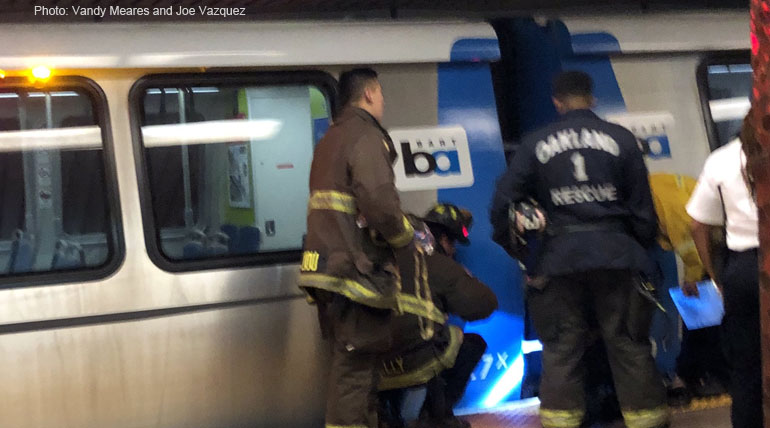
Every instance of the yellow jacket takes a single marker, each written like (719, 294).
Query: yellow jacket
(670, 193)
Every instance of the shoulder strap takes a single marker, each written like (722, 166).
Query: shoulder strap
(724, 210)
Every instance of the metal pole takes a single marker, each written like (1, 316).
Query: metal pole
(28, 159)
(188, 209)
(758, 161)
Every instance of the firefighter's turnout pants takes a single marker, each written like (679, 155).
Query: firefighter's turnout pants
(561, 312)
(359, 335)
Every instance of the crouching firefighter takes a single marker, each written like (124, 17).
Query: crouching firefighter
(589, 178)
(355, 232)
(427, 350)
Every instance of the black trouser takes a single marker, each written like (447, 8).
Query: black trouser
(741, 335)
(602, 401)
(698, 359)
(445, 390)
(359, 337)
(561, 312)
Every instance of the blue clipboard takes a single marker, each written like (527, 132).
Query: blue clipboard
(700, 312)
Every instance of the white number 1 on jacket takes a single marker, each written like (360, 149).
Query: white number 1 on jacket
(580, 167)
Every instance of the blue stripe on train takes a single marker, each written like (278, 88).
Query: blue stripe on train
(466, 98)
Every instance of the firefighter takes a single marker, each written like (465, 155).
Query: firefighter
(449, 224)
(355, 231)
(589, 178)
(429, 351)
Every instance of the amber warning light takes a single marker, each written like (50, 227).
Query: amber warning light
(41, 72)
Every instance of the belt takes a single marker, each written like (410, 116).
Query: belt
(604, 226)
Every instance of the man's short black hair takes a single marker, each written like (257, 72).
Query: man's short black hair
(353, 83)
(572, 84)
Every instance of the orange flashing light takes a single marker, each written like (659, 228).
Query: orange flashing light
(41, 72)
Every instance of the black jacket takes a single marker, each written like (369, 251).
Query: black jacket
(590, 178)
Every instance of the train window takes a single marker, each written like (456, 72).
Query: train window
(725, 85)
(227, 164)
(55, 209)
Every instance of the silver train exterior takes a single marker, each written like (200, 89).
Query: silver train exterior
(145, 347)
(228, 347)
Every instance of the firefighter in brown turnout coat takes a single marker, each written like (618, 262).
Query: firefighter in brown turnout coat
(427, 350)
(355, 231)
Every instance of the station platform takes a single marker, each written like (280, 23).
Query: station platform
(711, 412)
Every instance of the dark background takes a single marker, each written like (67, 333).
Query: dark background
(23, 10)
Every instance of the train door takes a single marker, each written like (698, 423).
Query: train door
(286, 159)
(466, 97)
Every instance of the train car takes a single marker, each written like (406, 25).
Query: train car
(153, 190)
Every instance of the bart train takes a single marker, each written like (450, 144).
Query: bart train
(153, 191)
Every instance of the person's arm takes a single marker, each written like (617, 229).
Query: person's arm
(375, 191)
(644, 222)
(705, 209)
(463, 295)
(515, 185)
(701, 235)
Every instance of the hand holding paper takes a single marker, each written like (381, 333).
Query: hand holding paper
(705, 310)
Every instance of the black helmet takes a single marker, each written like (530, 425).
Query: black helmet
(455, 221)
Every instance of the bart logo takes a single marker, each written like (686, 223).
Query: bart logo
(441, 162)
(432, 158)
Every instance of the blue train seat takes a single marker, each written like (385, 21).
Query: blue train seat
(194, 247)
(232, 232)
(217, 244)
(249, 240)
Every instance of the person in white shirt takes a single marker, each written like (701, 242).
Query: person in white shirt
(724, 196)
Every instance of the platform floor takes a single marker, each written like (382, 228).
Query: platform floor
(710, 412)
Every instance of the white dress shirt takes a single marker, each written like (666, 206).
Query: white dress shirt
(724, 170)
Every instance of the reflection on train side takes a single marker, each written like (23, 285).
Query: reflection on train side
(53, 197)
(228, 166)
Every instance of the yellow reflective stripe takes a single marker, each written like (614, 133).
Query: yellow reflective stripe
(420, 307)
(349, 288)
(332, 200)
(310, 261)
(560, 418)
(449, 355)
(427, 372)
(685, 246)
(646, 418)
(403, 238)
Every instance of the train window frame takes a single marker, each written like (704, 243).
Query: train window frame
(322, 80)
(701, 79)
(116, 250)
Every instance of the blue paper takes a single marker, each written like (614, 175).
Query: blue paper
(700, 312)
